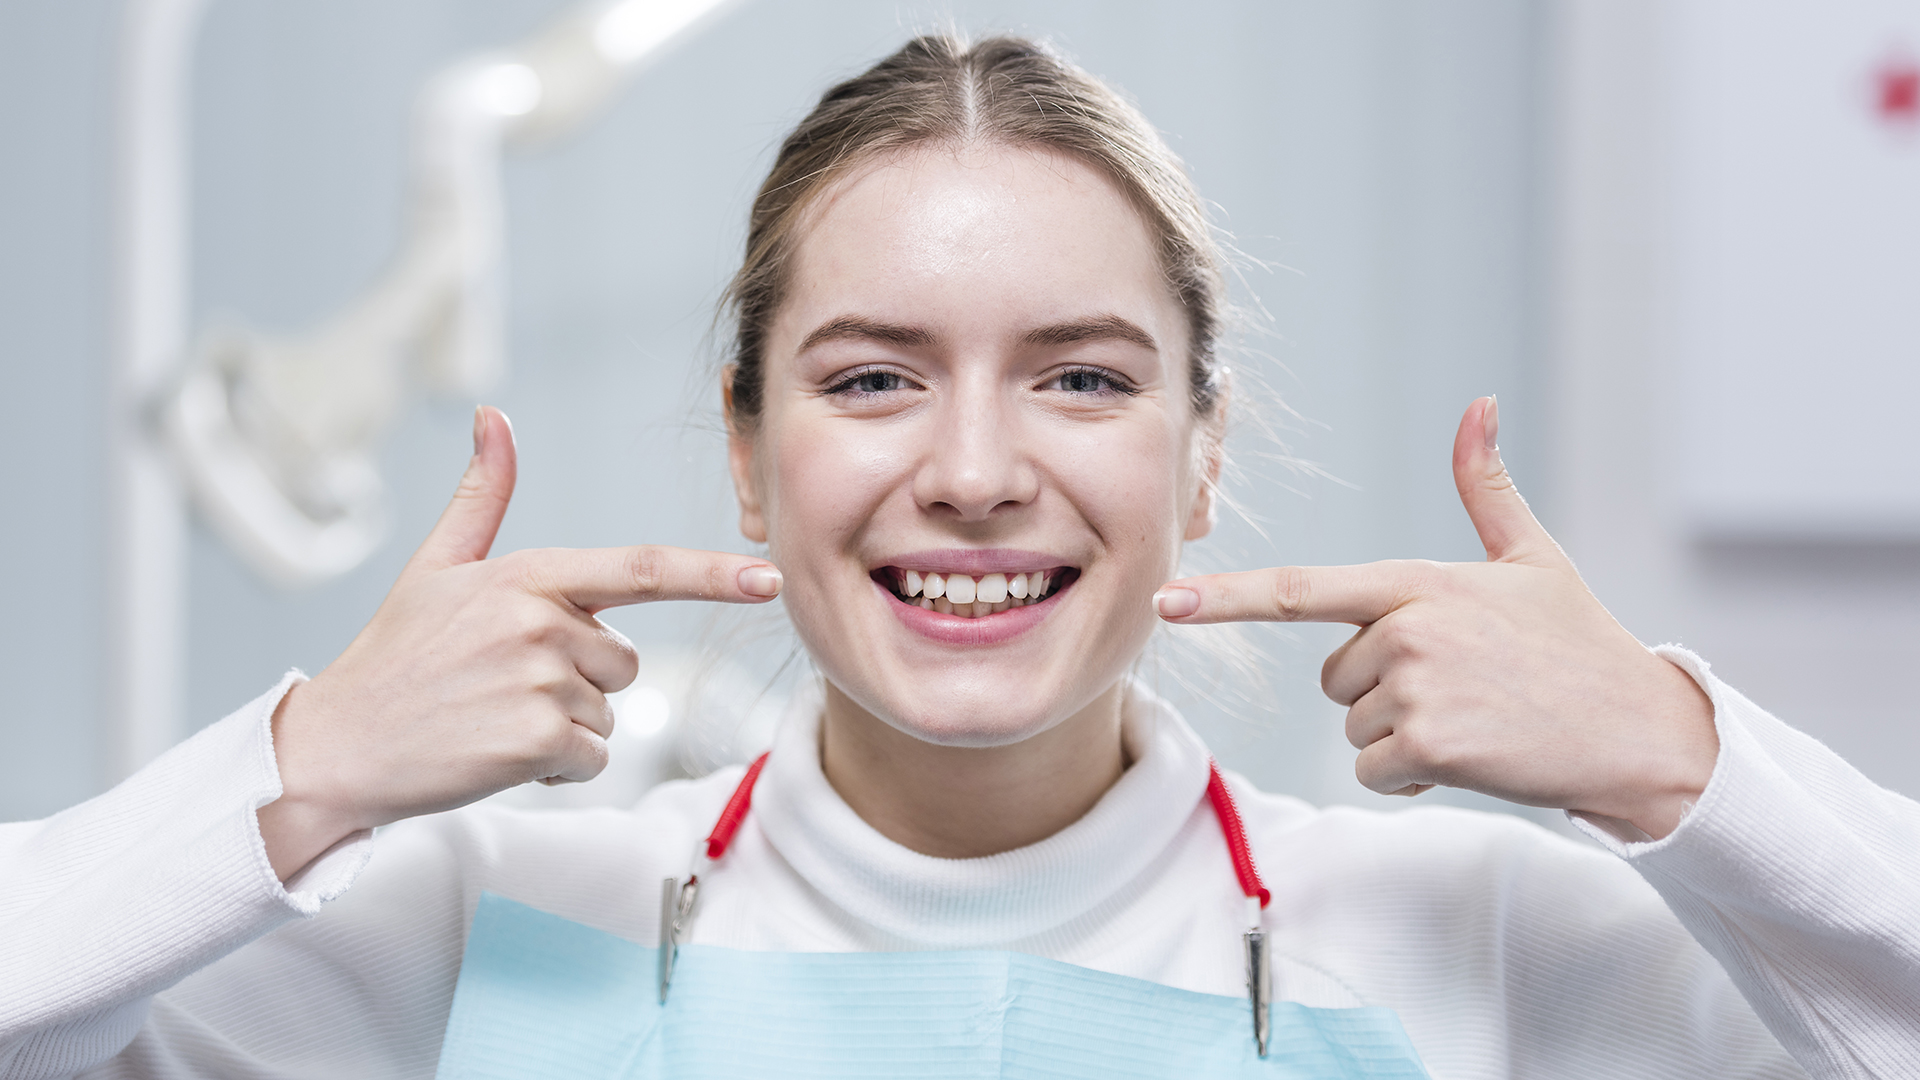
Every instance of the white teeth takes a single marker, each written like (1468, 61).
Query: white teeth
(960, 594)
(960, 589)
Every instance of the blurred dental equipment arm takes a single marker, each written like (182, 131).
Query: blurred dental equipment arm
(109, 902)
(277, 435)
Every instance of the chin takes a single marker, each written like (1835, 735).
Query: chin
(973, 722)
(988, 706)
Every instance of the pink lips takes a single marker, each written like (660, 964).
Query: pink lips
(955, 630)
(975, 562)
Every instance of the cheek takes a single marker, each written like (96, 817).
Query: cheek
(823, 482)
(1139, 510)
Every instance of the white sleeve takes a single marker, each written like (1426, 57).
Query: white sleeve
(1802, 877)
(114, 900)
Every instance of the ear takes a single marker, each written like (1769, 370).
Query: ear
(753, 524)
(1205, 510)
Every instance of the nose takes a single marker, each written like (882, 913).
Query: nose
(977, 462)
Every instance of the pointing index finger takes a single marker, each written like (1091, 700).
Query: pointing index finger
(1347, 594)
(595, 579)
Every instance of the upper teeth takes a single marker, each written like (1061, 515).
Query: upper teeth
(960, 594)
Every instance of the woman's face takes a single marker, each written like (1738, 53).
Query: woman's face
(978, 370)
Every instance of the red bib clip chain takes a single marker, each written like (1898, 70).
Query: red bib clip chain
(677, 900)
(1259, 976)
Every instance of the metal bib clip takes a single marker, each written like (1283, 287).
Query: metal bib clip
(676, 914)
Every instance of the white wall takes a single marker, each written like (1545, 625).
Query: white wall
(55, 101)
(1825, 632)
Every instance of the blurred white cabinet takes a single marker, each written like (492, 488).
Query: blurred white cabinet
(1793, 309)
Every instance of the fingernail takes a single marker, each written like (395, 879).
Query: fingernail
(1176, 603)
(479, 427)
(760, 580)
(1491, 420)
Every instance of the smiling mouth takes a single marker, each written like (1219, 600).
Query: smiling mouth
(974, 597)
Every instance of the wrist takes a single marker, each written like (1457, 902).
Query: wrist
(1673, 768)
(305, 820)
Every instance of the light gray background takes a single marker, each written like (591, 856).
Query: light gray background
(1394, 171)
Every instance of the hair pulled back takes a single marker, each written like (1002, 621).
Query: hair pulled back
(1008, 90)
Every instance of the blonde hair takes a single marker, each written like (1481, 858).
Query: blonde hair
(940, 89)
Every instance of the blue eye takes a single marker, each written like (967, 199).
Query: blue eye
(869, 382)
(1092, 381)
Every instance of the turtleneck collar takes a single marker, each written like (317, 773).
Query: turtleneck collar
(983, 902)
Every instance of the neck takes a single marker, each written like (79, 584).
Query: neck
(966, 802)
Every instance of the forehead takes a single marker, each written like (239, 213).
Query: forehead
(975, 236)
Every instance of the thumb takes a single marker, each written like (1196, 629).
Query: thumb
(1508, 530)
(467, 527)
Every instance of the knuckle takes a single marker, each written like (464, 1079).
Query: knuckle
(1328, 684)
(625, 665)
(1370, 770)
(1421, 743)
(1400, 635)
(1356, 730)
(557, 735)
(539, 625)
(645, 570)
(1415, 741)
(592, 754)
(1292, 593)
(516, 567)
(1422, 575)
(1339, 690)
(532, 570)
(551, 677)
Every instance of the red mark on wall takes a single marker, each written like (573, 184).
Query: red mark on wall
(1897, 91)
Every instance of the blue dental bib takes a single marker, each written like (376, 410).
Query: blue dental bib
(540, 996)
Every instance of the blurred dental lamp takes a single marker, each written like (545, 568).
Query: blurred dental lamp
(276, 436)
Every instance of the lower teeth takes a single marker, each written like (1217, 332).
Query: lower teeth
(971, 611)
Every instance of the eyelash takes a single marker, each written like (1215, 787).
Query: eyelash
(850, 386)
(1115, 384)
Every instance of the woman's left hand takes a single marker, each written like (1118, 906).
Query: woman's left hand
(1505, 677)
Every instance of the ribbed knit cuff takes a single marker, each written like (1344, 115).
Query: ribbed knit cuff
(1733, 755)
(1795, 872)
(333, 873)
(128, 893)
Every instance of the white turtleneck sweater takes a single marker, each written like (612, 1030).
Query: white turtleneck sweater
(143, 933)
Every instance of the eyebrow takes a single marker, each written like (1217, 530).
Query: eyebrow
(1096, 328)
(853, 326)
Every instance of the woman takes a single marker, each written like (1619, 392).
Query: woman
(975, 359)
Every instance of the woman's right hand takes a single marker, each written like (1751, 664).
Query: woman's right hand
(476, 674)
